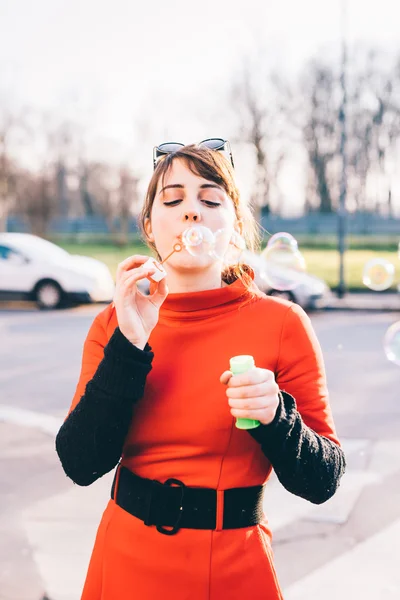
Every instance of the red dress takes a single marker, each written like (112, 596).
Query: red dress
(182, 428)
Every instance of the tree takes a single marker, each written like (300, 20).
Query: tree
(127, 193)
(319, 87)
(375, 126)
(35, 199)
(8, 124)
(252, 95)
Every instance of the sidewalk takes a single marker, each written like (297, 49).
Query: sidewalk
(330, 547)
(375, 301)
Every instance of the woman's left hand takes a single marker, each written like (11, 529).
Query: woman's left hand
(252, 395)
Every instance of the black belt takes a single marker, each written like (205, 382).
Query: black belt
(173, 504)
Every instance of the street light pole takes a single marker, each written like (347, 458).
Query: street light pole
(341, 290)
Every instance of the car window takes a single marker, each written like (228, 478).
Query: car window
(4, 252)
(8, 254)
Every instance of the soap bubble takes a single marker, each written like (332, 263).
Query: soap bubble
(237, 241)
(198, 240)
(284, 265)
(228, 246)
(221, 244)
(378, 274)
(283, 240)
(391, 343)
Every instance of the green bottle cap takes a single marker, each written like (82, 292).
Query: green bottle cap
(241, 364)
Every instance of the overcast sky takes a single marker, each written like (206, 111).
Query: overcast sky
(114, 63)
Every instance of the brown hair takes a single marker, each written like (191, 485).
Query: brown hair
(213, 166)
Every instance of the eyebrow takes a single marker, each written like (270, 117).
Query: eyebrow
(204, 186)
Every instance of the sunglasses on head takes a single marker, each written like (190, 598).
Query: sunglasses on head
(217, 144)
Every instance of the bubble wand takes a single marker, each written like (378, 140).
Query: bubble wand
(190, 238)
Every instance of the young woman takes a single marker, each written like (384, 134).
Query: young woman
(156, 397)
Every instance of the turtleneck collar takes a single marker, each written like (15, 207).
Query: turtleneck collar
(206, 303)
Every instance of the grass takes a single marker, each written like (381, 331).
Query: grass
(111, 255)
(323, 263)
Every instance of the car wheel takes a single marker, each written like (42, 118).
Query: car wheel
(284, 294)
(48, 295)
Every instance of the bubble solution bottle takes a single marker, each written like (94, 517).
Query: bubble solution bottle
(242, 364)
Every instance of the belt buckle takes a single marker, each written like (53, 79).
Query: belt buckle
(161, 528)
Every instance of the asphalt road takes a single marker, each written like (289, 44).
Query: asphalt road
(40, 356)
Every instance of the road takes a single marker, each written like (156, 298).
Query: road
(40, 358)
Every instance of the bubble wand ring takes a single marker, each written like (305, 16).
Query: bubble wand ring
(193, 237)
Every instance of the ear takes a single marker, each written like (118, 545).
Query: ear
(148, 230)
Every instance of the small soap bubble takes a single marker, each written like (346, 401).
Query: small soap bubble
(283, 262)
(391, 343)
(378, 274)
(198, 240)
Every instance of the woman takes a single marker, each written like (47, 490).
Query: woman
(155, 394)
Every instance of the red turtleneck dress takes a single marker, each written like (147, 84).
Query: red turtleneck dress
(182, 428)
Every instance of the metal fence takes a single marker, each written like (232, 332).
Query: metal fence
(311, 224)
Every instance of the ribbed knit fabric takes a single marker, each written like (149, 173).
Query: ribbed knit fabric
(90, 440)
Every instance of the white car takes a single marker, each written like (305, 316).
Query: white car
(307, 290)
(32, 268)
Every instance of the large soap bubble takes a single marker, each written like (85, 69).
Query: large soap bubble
(391, 343)
(283, 240)
(198, 240)
(283, 263)
(378, 274)
(228, 246)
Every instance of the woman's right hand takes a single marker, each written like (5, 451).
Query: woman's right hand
(137, 313)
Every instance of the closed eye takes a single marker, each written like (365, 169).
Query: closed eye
(173, 203)
(206, 202)
(209, 203)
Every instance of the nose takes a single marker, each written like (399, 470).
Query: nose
(192, 215)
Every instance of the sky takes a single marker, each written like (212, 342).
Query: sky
(138, 73)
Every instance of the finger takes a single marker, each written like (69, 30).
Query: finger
(131, 262)
(225, 377)
(260, 402)
(252, 377)
(253, 391)
(261, 415)
(152, 287)
(156, 286)
(123, 275)
(128, 283)
(160, 293)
